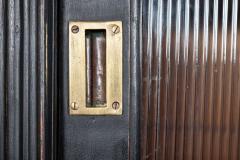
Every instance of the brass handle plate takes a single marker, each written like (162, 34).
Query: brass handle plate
(77, 68)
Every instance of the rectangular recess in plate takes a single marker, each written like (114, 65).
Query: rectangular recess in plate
(95, 42)
(80, 58)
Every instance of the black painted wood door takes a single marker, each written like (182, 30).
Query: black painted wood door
(34, 119)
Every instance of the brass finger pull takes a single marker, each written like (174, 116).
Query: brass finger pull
(95, 68)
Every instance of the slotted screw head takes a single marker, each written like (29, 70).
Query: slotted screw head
(115, 29)
(115, 105)
(75, 29)
(74, 106)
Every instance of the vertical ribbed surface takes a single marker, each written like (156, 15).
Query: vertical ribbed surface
(2, 79)
(23, 79)
(190, 80)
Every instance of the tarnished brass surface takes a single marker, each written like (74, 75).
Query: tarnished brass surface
(77, 68)
(96, 67)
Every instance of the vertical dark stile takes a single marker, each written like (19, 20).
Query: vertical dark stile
(45, 68)
(200, 78)
(183, 58)
(152, 51)
(25, 79)
(163, 85)
(144, 106)
(50, 60)
(135, 72)
(234, 115)
(190, 84)
(33, 132)
(2, 78)
(226, 76)
(217, 84)
(13, 71)
(53, 74)
(60, 151)
(46, 78)
(50, 72)
(207, 123)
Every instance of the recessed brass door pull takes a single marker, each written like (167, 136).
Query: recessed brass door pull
(95, 68)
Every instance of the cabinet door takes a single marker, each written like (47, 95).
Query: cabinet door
(100, 137)
(35, 118)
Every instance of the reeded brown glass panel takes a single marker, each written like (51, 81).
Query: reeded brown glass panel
(190, 80)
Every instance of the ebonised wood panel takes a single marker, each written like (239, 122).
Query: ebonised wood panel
(34, 122)
(95, 137)
(27, 79)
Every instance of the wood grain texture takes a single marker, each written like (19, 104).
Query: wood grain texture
(2, 79)
(92, 137)
(24, 82)
(197, 54)
(32, 73)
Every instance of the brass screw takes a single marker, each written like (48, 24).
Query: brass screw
(115, 29)
(75, 29)
(74, 106)
(115, 105)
